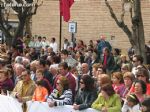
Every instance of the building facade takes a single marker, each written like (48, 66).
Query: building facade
(93, 19)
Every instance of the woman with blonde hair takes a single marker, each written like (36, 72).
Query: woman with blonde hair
(102, 80)
(128, 78)
(125, 68)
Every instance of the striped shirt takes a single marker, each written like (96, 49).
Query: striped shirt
(64, 99)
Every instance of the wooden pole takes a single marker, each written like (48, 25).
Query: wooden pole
(60, 33)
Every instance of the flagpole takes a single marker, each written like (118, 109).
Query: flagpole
(60, 32)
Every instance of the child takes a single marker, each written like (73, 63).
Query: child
(40, 93)
(146, 105)
(132, 104)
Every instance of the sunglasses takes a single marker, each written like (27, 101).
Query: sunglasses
(140, 76)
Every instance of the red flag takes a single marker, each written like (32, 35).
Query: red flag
(65, 9)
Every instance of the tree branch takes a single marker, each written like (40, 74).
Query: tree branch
(35, 9)
(6, 31)
(121, 24)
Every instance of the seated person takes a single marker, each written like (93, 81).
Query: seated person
(118, 84)
(132, 104)
(108, 100)
(24, 89)
(6, 84)
(40, 93)
(62, 95)
(146, 105)
(86, 94)
(46, 84)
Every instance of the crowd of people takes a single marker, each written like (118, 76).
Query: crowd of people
(84, 76)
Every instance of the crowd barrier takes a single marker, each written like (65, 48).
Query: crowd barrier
(10, 104)
(43, 107)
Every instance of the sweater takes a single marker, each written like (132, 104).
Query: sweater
(113, 104)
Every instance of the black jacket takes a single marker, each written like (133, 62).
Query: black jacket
(85, 98)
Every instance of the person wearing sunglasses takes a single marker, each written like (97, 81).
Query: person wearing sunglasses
(61, 95)
(142, 74)
(87, 93)
(137, 61)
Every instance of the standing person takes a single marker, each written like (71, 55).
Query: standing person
(61, 95)
(66, 44)
(38, 45)
(53, 44)
(117, 59)
(68, 59)
(44, 42)
(107, 100)
(31, 44)
(102, 44)
(86, 94)
(107, 60)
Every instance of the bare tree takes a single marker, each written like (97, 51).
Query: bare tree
(24, 10)
(136, 34)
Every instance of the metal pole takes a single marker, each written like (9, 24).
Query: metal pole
(72, 39)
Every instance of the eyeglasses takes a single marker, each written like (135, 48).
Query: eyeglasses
(140, 76)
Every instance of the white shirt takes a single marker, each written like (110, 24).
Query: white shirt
(126, 108)
(54, 46)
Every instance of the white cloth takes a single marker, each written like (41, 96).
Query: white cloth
(9, 104)
(126, 108)
(43, 107)
(54, 46)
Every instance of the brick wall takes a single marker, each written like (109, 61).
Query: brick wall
(93, 19)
